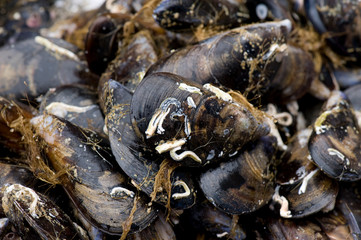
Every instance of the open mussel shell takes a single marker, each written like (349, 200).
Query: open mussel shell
(335, 141)
(77, 104)
(90, 177)
(338, 21)
(136, 159)
(47, 219)
(29, 68)
(306, 189)
(195, 124)
(245, 182)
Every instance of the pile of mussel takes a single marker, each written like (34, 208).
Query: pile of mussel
(170, 119)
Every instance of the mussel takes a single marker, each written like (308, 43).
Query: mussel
(335, 141)
(301, 184)
(195, 123)
(90, 177)
(47, 219)
(163, 180)
(245, 182)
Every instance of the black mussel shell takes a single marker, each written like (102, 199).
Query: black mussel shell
(335, 144)
(29, 68)
(247, 64)
(185, 15)
(244, 183)
(302, 184)
(354, 95)
(137, 160)
(101, 42)
(214, 223)
(289, 229)
(132, 61)
(92, 181)
(339, 22)
(47, 219)
(193, 123)
(77, 104)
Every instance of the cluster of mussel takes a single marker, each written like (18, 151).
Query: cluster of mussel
(181, 119)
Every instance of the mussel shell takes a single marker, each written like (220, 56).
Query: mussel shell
(131, 154)
(338, 20)
(307, 189)
(247, 64)
(244, 183)
(334, 225)
(208, 126)
(11, 174)
(29, 69)
(47, 219)
(101, 43)
(160, 229)
(294, 76)
(132, 61)
(335, 141)
(321, 194)
(77, 104)
(139, 162)
(185, 15)
(205, 218)
(289, 229)
(347, 78)
(353, 94)
(92, 181)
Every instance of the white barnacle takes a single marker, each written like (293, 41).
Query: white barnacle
(190, 102)
(179, 157)
(274, 47)
(284, 211)
(173, 146)
(169, 145)
(261, 11)
(118, 192)
(334, 152)
(60, 109)
(55, 48)
(305, 180)
(190, 89)
(219, 93)
(156, 122)
(21, 193)
(221, 235)
(319, 127)
(186, 192)
(187, 126)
